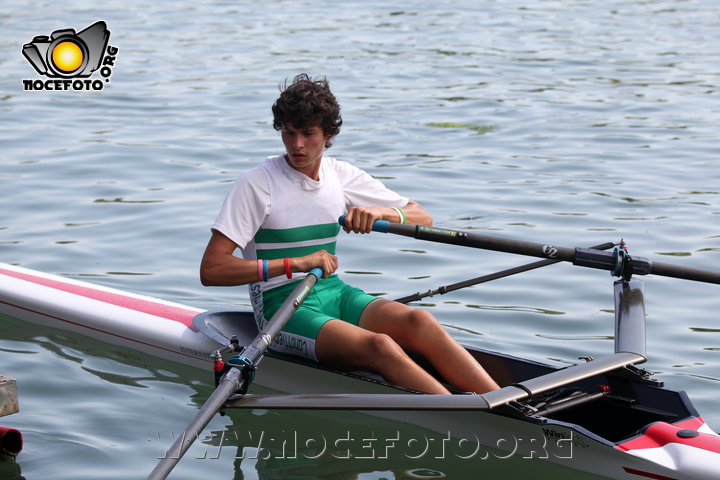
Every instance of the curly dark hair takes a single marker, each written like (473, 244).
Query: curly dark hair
(305, 103)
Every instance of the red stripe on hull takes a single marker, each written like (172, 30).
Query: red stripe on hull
(158, 309)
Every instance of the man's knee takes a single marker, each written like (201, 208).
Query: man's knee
(382, 346)
(417, 320)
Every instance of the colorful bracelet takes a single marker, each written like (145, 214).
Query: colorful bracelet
(401, 212)
(288, 272)
(260, 270)
(265, 270)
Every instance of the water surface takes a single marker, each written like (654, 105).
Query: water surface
(556, 122)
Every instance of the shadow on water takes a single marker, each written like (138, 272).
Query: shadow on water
(9, 469)
(352, 445)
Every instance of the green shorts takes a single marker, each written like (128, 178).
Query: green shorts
(330, 298)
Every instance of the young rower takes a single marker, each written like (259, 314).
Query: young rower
(282, 215)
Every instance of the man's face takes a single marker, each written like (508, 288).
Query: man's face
(304, 146)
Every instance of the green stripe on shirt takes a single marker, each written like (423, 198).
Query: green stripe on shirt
(273, 253)
(297, 234)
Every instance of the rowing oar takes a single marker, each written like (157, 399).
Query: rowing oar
(616, 261)
(489, 277)
(234, 379)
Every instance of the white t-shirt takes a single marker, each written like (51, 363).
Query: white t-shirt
(273, 211)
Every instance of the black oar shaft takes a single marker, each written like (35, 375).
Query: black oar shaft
(584, 257)
(687, 273)
(233, 380)
(486, 242)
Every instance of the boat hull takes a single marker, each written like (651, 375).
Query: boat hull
(573, 440)
(149, 325)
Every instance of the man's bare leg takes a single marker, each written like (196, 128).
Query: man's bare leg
(418, 331)
(348, 347)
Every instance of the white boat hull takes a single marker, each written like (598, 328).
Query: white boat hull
(165, 330)
(149, 325)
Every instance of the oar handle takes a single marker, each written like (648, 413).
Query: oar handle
(317, 272)
(381, 226)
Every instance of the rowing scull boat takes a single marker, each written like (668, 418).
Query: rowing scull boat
(630, 427)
